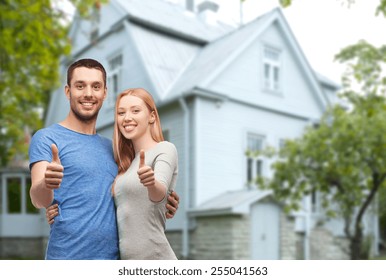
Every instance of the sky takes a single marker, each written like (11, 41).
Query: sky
(321, 27)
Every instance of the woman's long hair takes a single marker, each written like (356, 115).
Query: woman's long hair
(123, 148)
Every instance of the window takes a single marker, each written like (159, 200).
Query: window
(315, 202)
(272, 69)
(114, 78)
(255, 164)
(14, 195)
(15, 199)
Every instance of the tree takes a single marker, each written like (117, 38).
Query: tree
(344, 158)
(33, 40)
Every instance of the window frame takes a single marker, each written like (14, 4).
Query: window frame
(271, 84)
(115, 71)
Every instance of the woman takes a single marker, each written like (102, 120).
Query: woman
(147, 171)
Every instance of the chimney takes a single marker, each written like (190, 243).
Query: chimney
(189, 4)
(207, 11)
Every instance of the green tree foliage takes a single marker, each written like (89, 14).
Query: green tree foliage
(344, 157)
(33, 38)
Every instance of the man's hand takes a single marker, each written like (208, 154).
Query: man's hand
(172, 205)
(54, 172)
(51, 212)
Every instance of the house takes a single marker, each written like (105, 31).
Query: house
(220, 90)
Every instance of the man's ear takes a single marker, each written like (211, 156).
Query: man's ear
(67, 92)
(105, 95)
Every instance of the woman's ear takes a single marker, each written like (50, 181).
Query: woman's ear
(152, 117)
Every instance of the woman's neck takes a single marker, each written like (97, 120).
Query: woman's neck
(143, 144)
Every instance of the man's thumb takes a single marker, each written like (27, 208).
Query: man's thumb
(55, 154)
(141, 158)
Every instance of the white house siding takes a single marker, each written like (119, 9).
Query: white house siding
(172, 120)
(221, 142)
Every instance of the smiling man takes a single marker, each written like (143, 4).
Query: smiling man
(73, 166)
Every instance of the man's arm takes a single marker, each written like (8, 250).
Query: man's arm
(45, 178)
(41, 196)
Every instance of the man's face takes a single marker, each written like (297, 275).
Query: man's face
(86, 93)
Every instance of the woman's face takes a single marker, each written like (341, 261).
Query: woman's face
(134, 118)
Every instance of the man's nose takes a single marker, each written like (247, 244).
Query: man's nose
(88, 91)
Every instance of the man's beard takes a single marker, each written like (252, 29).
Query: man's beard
(83, 118)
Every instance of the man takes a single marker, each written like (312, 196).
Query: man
(73, 167)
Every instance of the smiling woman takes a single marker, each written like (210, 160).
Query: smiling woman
(147, 168)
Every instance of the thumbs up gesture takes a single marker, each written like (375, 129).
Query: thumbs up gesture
(54, 171)
(145, 173)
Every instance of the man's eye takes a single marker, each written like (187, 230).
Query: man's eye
(97, 87)
(79, 87)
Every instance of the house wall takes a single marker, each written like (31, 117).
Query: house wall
(242, 79)
(325, 246)
(220, 143)
(22, 248)
(234, 241)
(289, 240)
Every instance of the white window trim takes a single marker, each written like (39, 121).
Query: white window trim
(111, 93)
(262, 159)
(278, 64)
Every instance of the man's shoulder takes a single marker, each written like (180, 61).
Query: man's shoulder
(44, 132)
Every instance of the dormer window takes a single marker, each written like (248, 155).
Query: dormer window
(114, 79)
(272, 69)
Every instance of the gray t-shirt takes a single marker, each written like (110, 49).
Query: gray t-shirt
(141, 222)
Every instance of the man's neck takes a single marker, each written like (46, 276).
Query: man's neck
(84, 127)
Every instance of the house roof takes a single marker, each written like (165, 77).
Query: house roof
(172, 18)
(232, 202)
(211, 58)
(217, 55)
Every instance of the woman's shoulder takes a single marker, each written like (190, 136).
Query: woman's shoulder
(167, 146)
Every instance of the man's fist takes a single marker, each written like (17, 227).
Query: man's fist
(54, 172)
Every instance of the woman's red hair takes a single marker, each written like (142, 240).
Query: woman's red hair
(123, 148)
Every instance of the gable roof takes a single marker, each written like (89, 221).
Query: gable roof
(212, 57)
(200, 52)
(216, 56)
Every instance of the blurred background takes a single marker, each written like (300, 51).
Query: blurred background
(276, 108)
